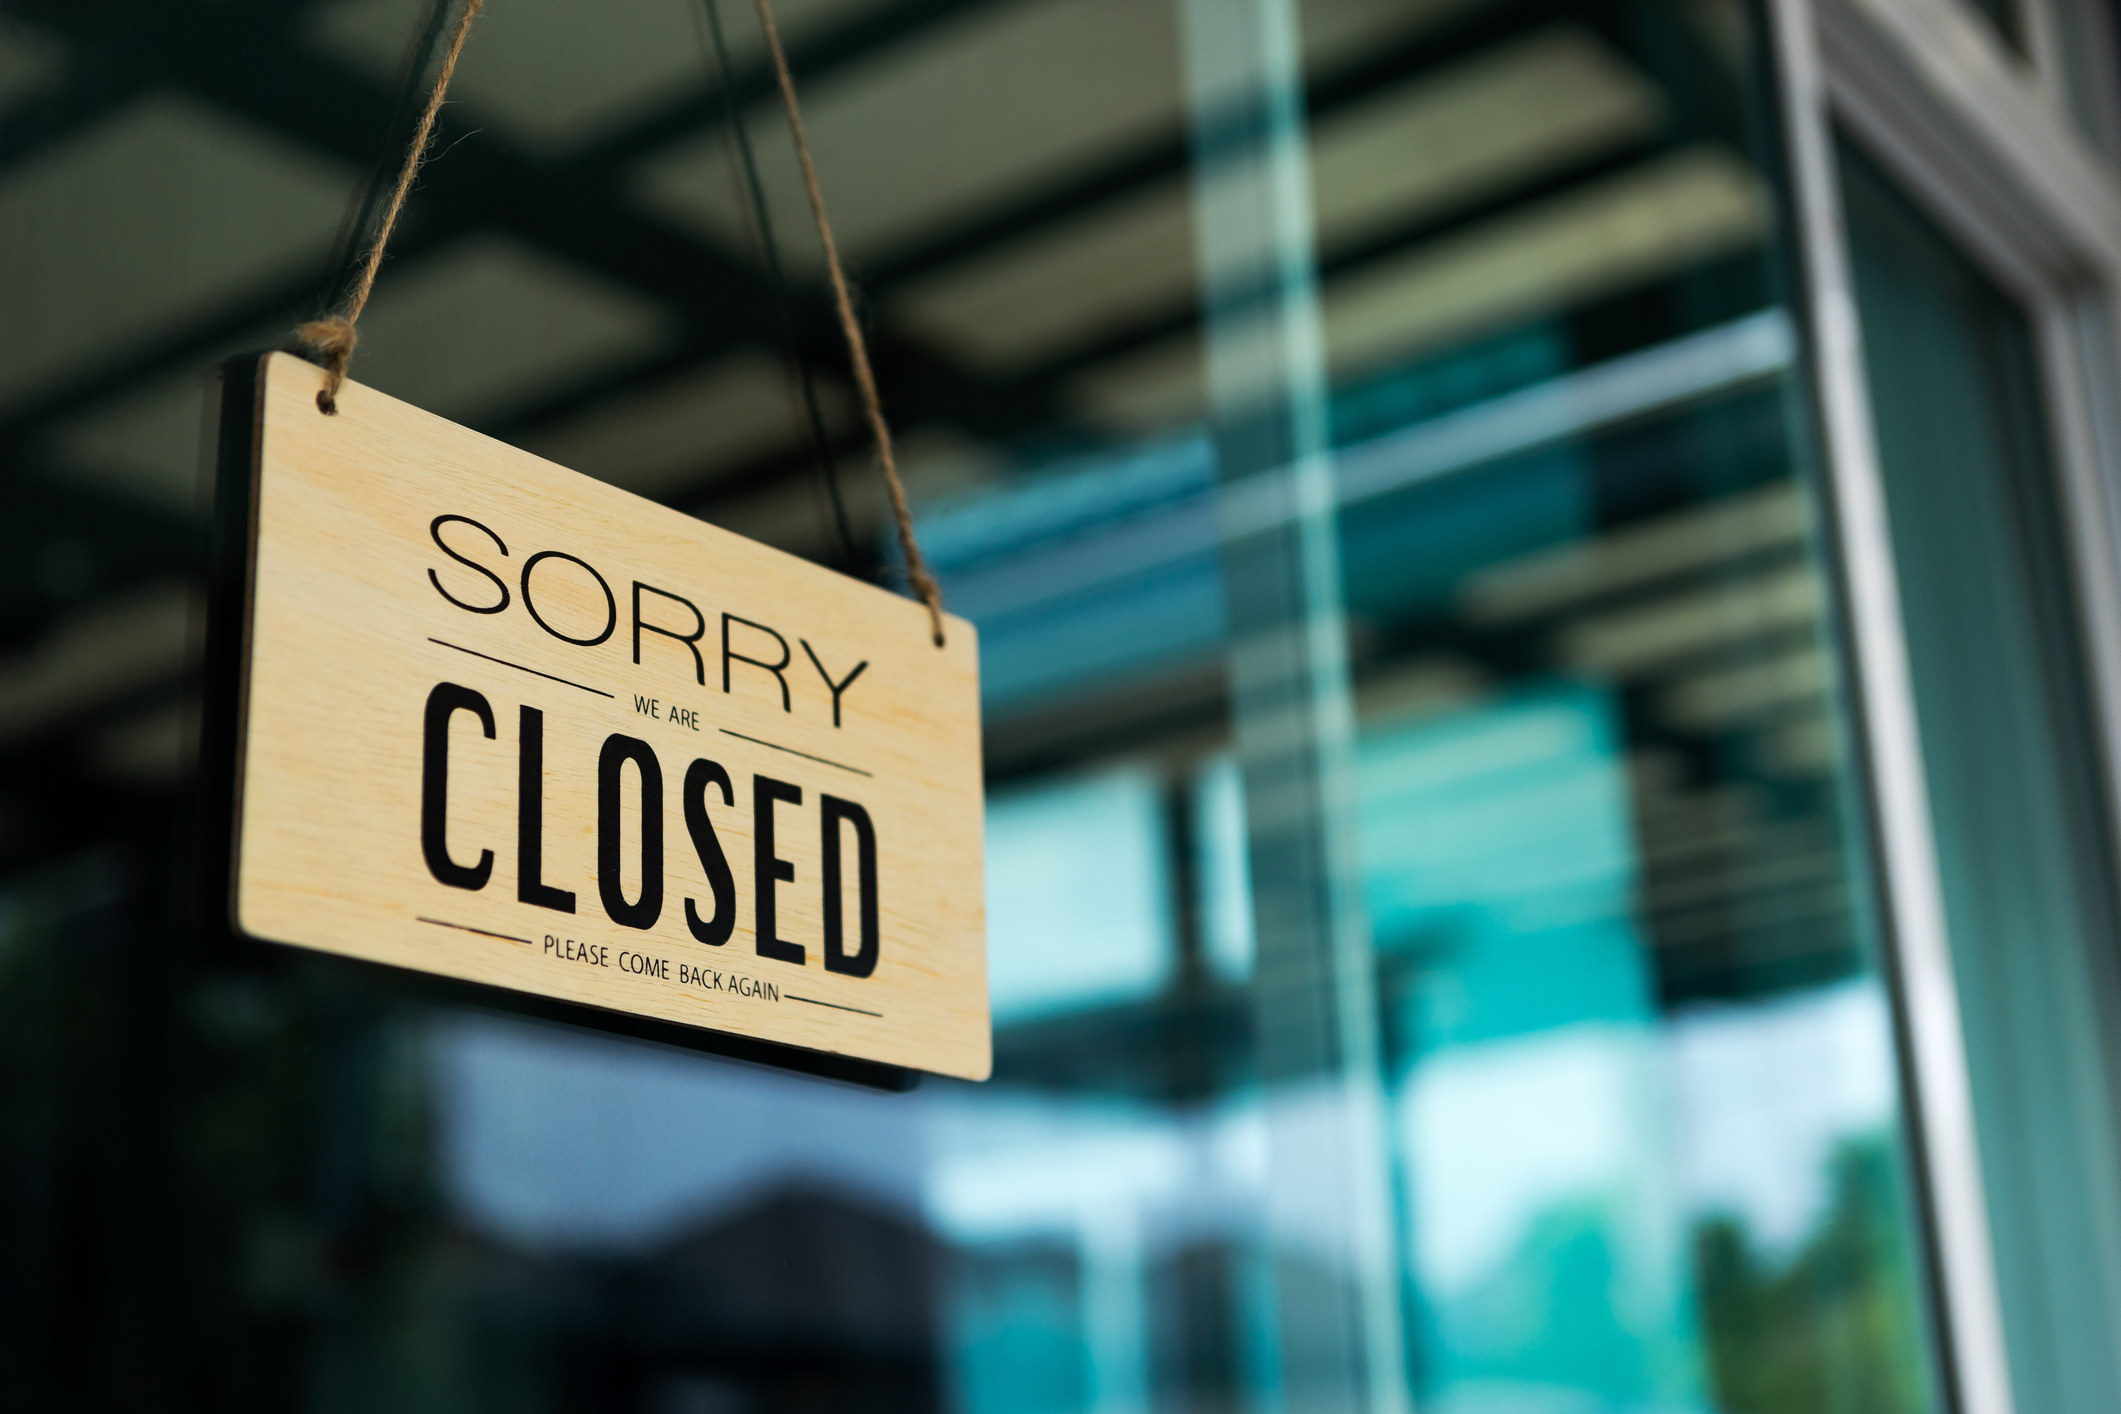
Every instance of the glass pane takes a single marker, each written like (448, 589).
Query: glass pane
(2013, 766)
(1430, 959)
(1636, 1061)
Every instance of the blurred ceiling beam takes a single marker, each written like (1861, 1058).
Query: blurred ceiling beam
(84, 91)
(575, 208)
(1162, 157)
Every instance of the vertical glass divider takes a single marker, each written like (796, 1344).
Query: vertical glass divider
(1339, 1321)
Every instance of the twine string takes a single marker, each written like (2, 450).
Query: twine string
(776, 276)
(350, 244)
(333, 337)
(917, 572)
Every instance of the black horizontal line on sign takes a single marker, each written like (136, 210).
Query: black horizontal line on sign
(822, 761)
(834, 1005)
(482, 932)
(520, 668)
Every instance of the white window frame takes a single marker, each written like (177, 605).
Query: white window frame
(1982, 137)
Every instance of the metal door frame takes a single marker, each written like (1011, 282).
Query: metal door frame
(1983, 138)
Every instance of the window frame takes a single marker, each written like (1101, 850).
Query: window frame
(1981, 137)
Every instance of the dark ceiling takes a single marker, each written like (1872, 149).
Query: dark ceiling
(663, 302)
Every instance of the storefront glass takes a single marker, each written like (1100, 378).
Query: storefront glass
(1431, 957)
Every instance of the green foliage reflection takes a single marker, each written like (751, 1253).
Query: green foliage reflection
(1834, 1327)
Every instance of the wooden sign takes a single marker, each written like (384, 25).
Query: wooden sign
(505, 723)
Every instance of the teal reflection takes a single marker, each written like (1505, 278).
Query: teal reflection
(1546, 1247)
(1078, 894)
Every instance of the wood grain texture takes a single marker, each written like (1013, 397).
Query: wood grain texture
(363, 602)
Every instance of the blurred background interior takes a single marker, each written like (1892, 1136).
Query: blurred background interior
(1436, 954)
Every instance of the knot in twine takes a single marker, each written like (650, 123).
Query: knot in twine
(332, 339)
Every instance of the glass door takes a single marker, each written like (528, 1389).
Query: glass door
(1448, 908)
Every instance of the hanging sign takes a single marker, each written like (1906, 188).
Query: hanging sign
(505, 723)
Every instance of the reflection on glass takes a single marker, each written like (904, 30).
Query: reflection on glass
(1428, 960)
(1499, 868)
(1077, 881)
(1222, 871)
